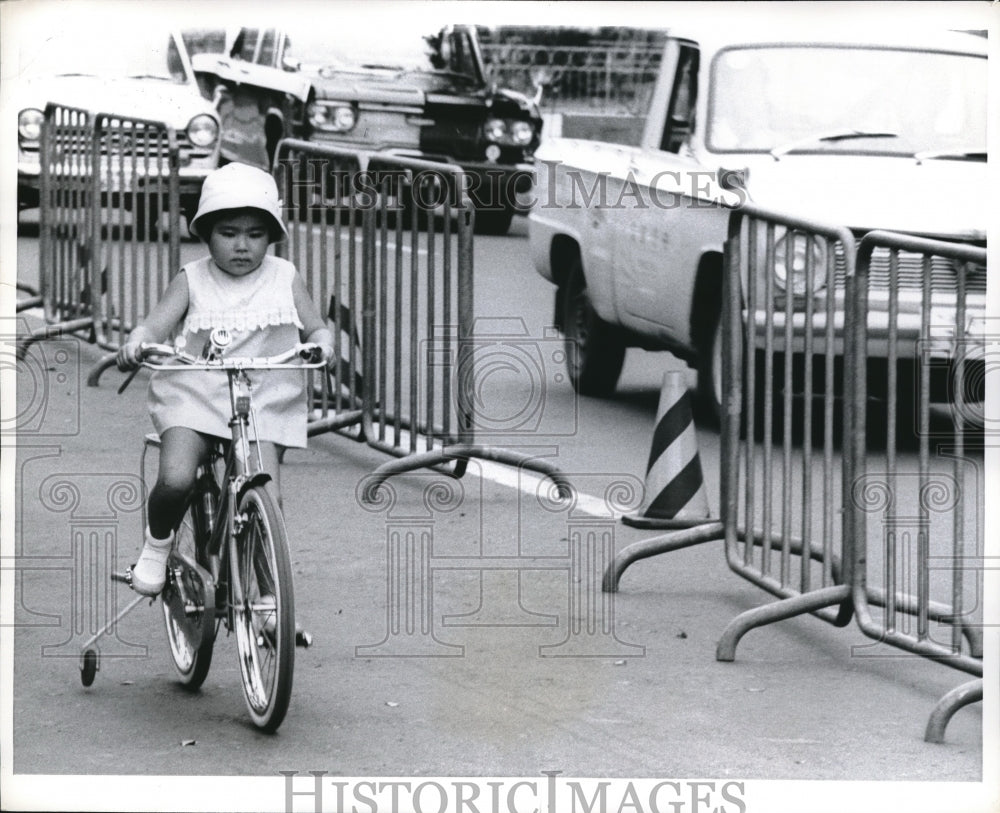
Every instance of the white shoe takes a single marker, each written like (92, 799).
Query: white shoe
(149, 574)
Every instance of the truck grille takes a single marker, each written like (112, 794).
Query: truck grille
(910, 273)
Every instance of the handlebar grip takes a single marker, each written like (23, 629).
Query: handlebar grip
(311, 353)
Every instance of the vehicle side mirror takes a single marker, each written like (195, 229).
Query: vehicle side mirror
(290, 64)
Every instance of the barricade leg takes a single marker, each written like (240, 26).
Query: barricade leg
(960, 696)
(461, 453)
(778, 611)
(676, 540)
(50, 332)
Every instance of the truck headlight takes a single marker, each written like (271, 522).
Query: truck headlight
(791, 267)
(514, 132)
(332, 118)
(203, 130)
(29, 124)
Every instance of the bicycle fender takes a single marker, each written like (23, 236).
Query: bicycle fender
(260, 479)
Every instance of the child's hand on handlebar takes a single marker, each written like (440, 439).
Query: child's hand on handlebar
(313, 352)
(129, 355)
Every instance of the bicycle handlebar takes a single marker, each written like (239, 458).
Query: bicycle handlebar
(188, 361)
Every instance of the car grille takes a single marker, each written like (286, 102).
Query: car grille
(910, 273)
(136, 143)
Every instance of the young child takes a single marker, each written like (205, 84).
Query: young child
(264, 304)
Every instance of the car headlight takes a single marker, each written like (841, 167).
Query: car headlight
(791, 266)
(29, 124)
(203, 130)
(332, 118)
(521, 132)
(515, 132)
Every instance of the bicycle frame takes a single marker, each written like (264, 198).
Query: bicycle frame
(243, 469)
(205, 584)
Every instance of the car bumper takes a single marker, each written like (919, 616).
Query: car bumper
(939, 340)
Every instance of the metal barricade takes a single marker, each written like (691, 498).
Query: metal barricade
(923, 305)
(607, 76)
(386, 244)
(324, 243)
(139, 167)
(782, 471)
(786, 284)
(101, 269)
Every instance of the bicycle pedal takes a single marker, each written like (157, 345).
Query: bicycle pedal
(303, 638)
(125, 577)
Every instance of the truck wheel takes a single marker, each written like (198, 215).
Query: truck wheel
(493, 221)
(710, 385)
(595, 352)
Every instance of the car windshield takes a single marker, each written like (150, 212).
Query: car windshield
(380, 48)
(149, 54)
(858, 100)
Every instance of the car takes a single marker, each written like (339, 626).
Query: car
(398, 88)
(143, 73)
(862, 129)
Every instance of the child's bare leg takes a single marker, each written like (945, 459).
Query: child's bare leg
(181, 450)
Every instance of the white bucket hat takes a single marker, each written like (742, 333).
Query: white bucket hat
(240, 186)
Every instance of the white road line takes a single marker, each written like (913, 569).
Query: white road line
(526, 481)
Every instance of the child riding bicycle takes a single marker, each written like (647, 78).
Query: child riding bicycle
(262, 301)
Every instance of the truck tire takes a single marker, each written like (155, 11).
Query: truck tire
(595, 352)
(710, 385)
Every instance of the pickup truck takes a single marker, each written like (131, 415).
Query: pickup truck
(863, 131)
(413, 90)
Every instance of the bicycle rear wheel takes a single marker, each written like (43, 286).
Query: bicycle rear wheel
(188, 600)
(263, 609)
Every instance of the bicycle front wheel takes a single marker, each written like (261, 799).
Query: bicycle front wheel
(263, 608)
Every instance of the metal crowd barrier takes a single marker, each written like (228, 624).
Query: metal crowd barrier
(785, 373)
(608, 77)
(386, 244)
(101, 268)
(924, 313)
(780, 499)
(803, 354)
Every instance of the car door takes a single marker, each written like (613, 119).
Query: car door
(663, 219)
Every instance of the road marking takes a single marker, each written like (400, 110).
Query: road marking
(526, 481)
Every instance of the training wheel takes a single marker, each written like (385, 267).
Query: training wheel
(88, 667)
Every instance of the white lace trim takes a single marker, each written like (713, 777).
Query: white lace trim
(241, 320)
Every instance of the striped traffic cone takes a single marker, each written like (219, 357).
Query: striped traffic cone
(675, 489)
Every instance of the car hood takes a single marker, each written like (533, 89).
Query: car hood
(933, 197)
(157, 100)
(395, 87)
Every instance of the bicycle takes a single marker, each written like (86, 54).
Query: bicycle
(229, 564)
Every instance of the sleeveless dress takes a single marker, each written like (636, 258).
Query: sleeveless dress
(259, 310)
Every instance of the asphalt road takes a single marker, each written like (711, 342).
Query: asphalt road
(513, 677)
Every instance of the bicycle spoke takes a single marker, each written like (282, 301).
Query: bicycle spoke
(263, 609)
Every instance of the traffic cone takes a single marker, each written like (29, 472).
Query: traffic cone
(675, 489)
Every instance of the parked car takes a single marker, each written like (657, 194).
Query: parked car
(145, 73)
(407, 90)
(860, 129)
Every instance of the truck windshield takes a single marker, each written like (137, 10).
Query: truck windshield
(895, 102)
